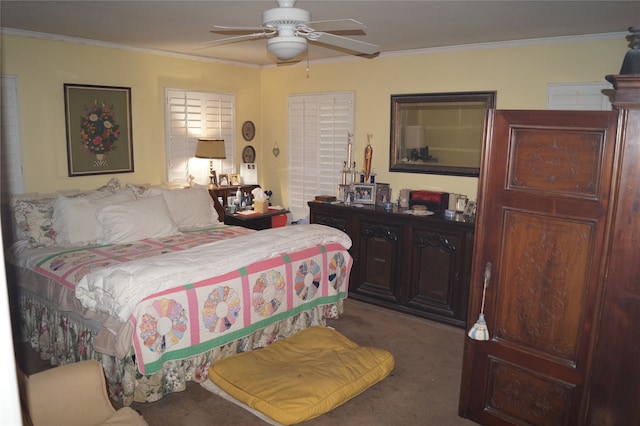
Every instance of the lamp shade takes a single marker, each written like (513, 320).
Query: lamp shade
(210, 148)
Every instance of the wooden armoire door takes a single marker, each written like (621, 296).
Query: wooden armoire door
(543, 212)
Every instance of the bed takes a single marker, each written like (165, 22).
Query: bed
(152, 284)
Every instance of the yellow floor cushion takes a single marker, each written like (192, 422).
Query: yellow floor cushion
(302, 377)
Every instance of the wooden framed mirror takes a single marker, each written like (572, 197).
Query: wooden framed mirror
(439, 133)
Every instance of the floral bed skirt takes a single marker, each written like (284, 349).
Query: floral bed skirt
(62, 339)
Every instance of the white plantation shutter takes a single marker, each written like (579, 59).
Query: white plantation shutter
(11, 169)
(11, 150)
(319, 125)
(188, 116)
(578, 96)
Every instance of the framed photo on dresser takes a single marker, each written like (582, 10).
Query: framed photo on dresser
(365, 193)
(234, 179)
(383, 193)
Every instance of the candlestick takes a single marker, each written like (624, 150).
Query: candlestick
(345, 171)
(368, 154)
(349, 147)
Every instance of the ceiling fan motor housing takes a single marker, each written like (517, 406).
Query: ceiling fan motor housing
(285, 16)
(286, 20)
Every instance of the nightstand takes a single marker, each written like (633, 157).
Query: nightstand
(270, 219)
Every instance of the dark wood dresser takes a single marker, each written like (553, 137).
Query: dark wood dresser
(419, 265)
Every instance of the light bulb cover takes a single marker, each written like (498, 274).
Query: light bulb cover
(286, 48)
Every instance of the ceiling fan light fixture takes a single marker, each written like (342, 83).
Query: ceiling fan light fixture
(287, 48)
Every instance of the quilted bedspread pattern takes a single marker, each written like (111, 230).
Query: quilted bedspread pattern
(185, 321)
(191, 292)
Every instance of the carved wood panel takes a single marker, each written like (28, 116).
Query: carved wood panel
(523, 396)
(332, 221)
(563, 164)
(379, 255)
(544, 277)
(436, 270)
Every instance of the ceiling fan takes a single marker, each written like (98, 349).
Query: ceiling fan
(288, 28)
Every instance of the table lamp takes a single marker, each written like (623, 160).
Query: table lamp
(211, 148)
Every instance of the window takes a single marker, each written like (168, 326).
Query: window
(188, 116)
(579, 96)
(319, 127)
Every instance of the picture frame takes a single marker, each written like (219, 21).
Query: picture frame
(439, 133)
(343, 192)
(470, 209)
(383, 193)
(365, 193)
(249, 173)
(224, 179)
(234, 179)
(99, 129)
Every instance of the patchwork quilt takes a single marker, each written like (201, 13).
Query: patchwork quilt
(188, 293)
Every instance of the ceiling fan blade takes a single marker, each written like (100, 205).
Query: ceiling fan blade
(337, 25)
(234, 39)
(225, 29)
(344, 42)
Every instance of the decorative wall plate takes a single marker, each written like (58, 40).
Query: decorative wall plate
(248, 130)
(248, 154)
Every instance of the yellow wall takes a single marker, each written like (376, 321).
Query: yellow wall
(44, 66)
(518, 74)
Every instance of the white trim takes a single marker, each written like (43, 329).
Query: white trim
(509, 43)
(97, 43)
(397, 53)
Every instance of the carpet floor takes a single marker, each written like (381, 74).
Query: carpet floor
(423, 388)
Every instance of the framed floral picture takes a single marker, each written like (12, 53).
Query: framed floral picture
(99, 134)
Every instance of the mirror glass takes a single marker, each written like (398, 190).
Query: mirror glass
(440, 133)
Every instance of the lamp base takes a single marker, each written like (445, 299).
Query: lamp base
(213, 179)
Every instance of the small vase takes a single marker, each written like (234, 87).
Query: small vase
(99, 157)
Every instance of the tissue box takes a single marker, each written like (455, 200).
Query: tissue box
(260, 206)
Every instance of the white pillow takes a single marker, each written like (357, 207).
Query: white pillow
(190, 208)
(74, 218)
(135, 220)
(138, 189)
